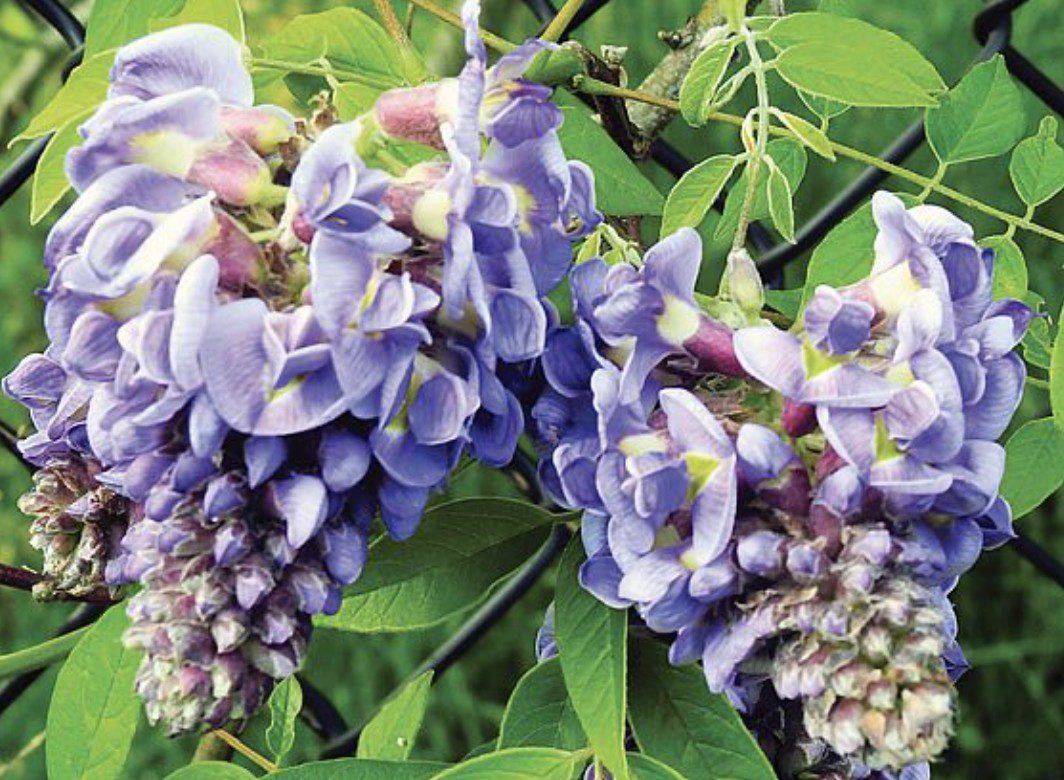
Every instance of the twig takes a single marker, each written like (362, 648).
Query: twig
(601, 88)
(249, 753)
(561, 20)
(212, 748)
(25, 579)
(391, 22)
(39, 656)
(492, 40)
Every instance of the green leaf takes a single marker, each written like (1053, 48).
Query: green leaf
(528, 763)
(791, 158)
(285, 702)
(677, 721)
(592, 648)
(461, 549)
(1010, 268)
(980, 117)
(116, 22)
(1038, 343)
(840, 71)
(845, 255)
(350, 40)
(94, 710)
(646, 768)
(361, 769)
(390, 734)
(823, 107)
(1034, 465)
(353, 100)
(225, 14)
(874, 49)
(50, 181)
(787, 302)
(1037, 165)
(809, 134)
(694, 194)
(1056, 375)
(700, 85)
(211, 770)
(540, 712)
(779, 203)
(620, 188)
(83, 91)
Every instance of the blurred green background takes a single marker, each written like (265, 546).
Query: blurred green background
(1011, 720)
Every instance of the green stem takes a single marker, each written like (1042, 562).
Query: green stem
(491, 40)
(39, 656)
(561, 20)
(1034, 381)
(593, 86)
(757, 156)
(246, 751)
(940, 172)
(265, 63)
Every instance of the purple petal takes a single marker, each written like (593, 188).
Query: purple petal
(302, 502)
(344, 458)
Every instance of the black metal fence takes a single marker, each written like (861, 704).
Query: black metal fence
(992, 28)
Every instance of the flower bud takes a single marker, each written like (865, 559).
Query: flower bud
(742, 283)
(263, 128)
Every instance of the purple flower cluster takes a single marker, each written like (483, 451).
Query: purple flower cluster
(259, 341)
(793, 507)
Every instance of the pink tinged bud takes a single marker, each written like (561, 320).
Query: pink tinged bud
(414, 114)
(790, 492)
(712, 347)
(825, 524)
(237, 254)
(232, 169)
(263, 128)
(303, 228)
(402, 197)
(798, 419)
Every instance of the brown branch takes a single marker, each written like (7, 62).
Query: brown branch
(25, 579)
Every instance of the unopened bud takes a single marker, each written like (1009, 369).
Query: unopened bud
(742, 283)
(263, 128)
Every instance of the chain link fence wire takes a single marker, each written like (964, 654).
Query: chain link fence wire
(992, 28)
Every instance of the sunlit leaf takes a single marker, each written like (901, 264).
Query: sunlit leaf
(1037, 165)
(83, 91)
(94, 709)
(694, 194)
(592, 647)
(980, 117)
(540, 712)
(390, 734)
(1034, 465)
(701, 82)
(1010, 268)
(284, 705)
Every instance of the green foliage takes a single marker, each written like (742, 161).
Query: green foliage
(790, 157)
(528, 763)
(391, 733)
(50, 182)
(787, 302)
(780, 205)
(592, 647)
(677, 721)
(698, 93)
(620, 188)
(824, 108)
(646, 768)
(221, 13)
(809, 134)
(980, 117)
(361, 769)
(94, 709)
(460, 550)
(845, 254)
(1056, 375)
(114, 22)
(540, 712)
(695, 193)
(84, 90)
(852, 62)
(1010, 268)
(284, 705)
(1037, 165)
(211, 770)
(1034, 465)
(1038, 343)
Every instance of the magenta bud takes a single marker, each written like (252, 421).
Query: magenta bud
(828, 463)
(827, 525)
(263, 128)
(790, 492)
(302, 227)
(798, 419)
(237, 254)
(412, 114)
(712, 347)
(232, 169)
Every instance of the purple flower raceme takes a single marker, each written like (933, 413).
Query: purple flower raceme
(259, 341)
(793, 507)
